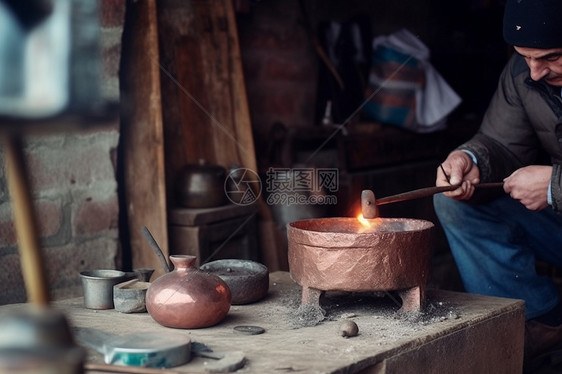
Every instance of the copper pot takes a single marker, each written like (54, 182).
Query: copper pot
(201, 185)
(340, 254)
(187, 297)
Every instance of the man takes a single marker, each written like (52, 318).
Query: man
(496, 242)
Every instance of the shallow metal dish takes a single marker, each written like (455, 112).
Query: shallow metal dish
(248, 280)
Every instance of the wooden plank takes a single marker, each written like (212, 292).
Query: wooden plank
(142, 135)
(273, 250)
(241, 109)
(195, 126)
(186, 126)
(215, 48)
(203, 77)
(462, 333)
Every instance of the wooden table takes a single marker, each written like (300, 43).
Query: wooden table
(458, 332)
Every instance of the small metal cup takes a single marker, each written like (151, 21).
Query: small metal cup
(98, 287)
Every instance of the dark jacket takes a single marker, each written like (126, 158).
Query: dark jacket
(522, 124)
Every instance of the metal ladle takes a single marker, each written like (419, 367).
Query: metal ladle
(152, 242)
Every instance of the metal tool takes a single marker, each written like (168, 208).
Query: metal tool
(369, 203)
(154, 350)
(156, 248)
(145, 349)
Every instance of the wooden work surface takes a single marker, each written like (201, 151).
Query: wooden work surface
(456, 330)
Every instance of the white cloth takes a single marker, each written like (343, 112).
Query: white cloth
(436, 99)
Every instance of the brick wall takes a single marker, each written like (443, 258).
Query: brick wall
(280, 66)
(280, 60)
(74, 190)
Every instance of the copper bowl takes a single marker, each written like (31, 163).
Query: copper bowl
(340, 254)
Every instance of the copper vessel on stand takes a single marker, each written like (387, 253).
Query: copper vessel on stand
(341, 254)
(187, 297)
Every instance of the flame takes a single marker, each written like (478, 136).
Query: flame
(365, 222)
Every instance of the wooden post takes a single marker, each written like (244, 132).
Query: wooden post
(31, 258)
(142, 134)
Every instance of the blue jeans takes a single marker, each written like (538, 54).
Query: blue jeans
(495, 246)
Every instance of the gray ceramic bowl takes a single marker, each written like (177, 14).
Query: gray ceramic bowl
(248, 280)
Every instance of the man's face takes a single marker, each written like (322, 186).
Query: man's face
(545, 64)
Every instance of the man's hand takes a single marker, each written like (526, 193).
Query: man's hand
(458, 169)
(529, 185)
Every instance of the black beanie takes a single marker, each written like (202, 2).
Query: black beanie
(533, 23)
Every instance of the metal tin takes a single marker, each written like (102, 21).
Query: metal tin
(98, 287)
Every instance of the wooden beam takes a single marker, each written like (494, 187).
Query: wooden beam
(142, 134)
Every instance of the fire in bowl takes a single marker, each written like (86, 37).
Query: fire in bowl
(344, 254)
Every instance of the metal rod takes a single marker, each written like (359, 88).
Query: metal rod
(156, 248)
(429, 191)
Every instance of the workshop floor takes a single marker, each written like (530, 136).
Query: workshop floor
(547, 368)
(551, 365)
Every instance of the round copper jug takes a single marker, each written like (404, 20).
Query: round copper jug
(187, 297)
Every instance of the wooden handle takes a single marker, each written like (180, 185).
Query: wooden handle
(25, 221)
(429, 191)
(105, 368)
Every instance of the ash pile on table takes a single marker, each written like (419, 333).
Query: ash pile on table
(306, 316)
(336, 306)
(287, 309)
(434, 311)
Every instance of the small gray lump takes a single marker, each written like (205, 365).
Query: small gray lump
(348, 329)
